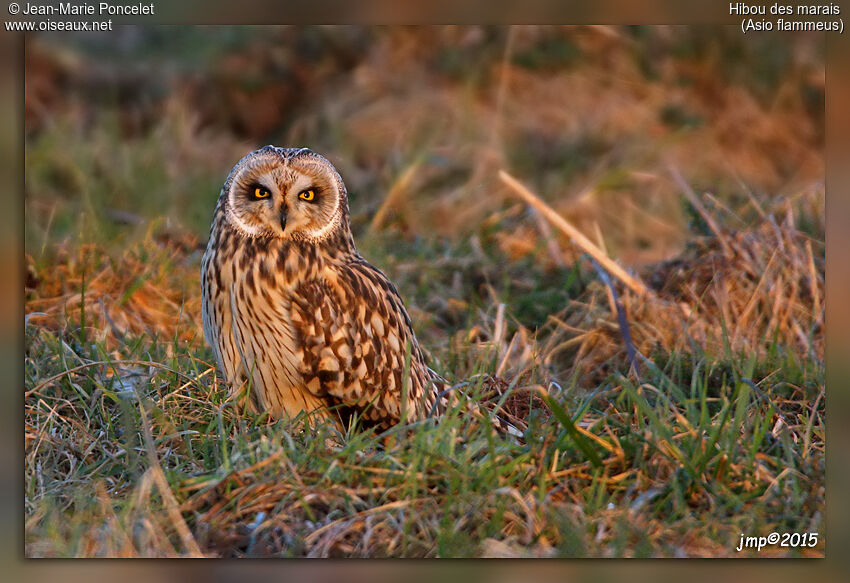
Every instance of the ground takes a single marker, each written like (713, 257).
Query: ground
(667, 426)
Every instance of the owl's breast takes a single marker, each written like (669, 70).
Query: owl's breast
(252, 298)
(261, 304)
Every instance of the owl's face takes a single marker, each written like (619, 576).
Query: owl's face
(286, 193)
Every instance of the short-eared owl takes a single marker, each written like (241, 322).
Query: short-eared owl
(292, 311)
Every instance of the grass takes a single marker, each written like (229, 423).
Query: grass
(133, 449)
(676, 462)
(673, 466)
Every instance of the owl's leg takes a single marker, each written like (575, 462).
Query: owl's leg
(243, 396)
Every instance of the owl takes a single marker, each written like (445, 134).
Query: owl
(295, 316)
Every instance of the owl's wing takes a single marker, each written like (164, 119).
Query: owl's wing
(217, 315)
(356, 337)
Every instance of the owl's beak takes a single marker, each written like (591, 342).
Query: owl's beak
(283, 218)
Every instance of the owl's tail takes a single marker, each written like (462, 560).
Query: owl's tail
(447, 396)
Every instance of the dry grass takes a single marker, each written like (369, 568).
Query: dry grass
(152, 288)
(715, 432)
(663, 423)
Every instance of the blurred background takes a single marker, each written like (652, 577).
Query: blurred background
(144, 123)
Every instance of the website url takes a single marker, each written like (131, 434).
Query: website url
(55, 25)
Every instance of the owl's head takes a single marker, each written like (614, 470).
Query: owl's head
(286, 193)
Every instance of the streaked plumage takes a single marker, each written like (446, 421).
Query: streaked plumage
(292, 311)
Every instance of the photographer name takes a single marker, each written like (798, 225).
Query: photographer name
(102, 9)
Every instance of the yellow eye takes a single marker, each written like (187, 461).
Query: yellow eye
(307, 195)
(260, 192)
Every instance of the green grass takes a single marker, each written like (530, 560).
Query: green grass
(664, 455)
(679, 462)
